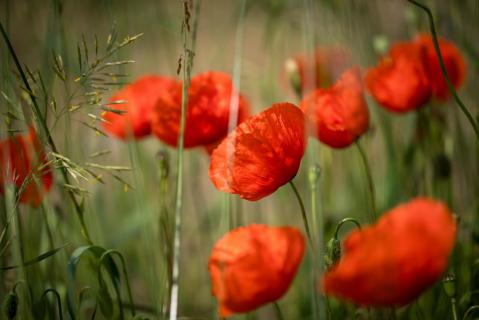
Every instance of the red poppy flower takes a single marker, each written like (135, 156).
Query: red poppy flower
(254, 265)
(400, 82)
(208, 111)
(140, 97)
(339, 114)
(307, 73)
(22, 158)
(261, 154)
(394, 261)
(453, 61)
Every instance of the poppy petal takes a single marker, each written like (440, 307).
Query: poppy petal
(254, 265)
(392, 262)
(139, 99)
(400, 81)
(261, 154)
(207, 115)
(338, 115)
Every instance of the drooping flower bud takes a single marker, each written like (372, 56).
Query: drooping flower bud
(10, 305)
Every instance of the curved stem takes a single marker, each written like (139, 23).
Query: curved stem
(470, 311)
(43, 125)
(372, 194)
(125, 275)
(59, 301)
(303, 213)
(340, 224)
(459, 102)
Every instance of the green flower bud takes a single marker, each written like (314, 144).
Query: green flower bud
(10, 305)
(449, 283)
(314, 174)
(292, 72)
(333, 252)
(163, 164)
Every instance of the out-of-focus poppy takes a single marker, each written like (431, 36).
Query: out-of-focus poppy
(22, 160)
(135, 105)
(392, 262)
(410, 74)
(254, 265)
(208, 111)
(306, 73)
(338, 115)
(261, 154)
(453, 61)
(400, 82)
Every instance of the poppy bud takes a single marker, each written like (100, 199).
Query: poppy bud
(294, 77)
(163, 160)
(314, 174)
(449, 283)
(10, 305)
(333, 252)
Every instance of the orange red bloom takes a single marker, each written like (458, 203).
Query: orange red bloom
(410, 74)
(261, 154)
(453, 61)
(392, 262)
(254, 265)
(338, 115)
(138, 98)
(400, 82)
(22, 158)
(307, 73)
(208, 111)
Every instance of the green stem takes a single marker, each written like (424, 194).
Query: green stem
(277, 311)
(470, 311)
(106, 254)
(187, 65)
(43, 125)
(303, 213)
(449, 84)
(59, 301)
(340, 224)
(454, 309)
(125, 275)
(318, 234)
(369, 177)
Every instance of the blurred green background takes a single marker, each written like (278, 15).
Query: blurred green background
(124, 212)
